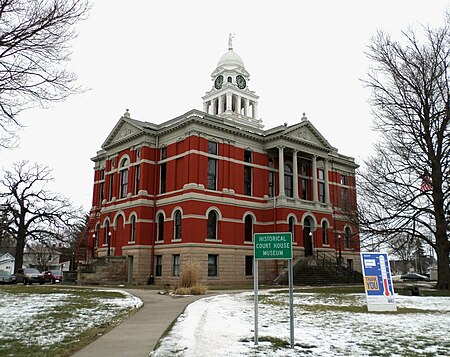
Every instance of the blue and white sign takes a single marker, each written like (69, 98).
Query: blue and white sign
(378, 282)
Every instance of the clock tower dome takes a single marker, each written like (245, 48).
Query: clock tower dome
(230, 96)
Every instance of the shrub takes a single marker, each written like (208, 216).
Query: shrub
(189, 274)
(197, 289)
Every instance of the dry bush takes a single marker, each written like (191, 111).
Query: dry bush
(197, 289)
(189, 274)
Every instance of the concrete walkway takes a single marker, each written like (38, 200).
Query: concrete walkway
(139, 334)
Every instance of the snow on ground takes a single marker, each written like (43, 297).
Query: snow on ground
(40, 321)
(325, 325)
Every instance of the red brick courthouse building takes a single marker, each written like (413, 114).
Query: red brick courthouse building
(198, 186)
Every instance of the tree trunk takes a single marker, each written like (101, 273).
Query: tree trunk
(20, 247)
(442, 252)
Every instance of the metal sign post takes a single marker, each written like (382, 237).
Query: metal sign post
(271, 246)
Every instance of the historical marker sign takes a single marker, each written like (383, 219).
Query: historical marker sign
(273, 245)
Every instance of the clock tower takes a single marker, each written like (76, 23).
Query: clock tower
(230, 96)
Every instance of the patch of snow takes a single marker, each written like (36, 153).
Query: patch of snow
(39, 321)
(325, 325)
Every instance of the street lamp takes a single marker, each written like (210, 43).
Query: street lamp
(109, 243)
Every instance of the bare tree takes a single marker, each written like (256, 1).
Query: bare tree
(33, 213)
(34, 47)
(405, 187)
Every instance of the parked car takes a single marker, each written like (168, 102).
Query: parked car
(6, 278)
(29, 276)
(414, 276)
(53, 276)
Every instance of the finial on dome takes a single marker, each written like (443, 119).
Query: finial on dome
(304, 117)
(230, 41)
(127, 113)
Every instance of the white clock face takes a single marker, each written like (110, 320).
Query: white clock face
(240, 82)
(218, 82)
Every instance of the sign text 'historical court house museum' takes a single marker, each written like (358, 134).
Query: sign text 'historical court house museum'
(197, 187)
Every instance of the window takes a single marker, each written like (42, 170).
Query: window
(102, 185)
(212, 147)
(160, 236)
(249, 265)
(325, 233)
(177, 225)
(97, 235)
(305, 194)
(321, 175)
(212, 174)
(247, 180)
(137, 177)
(163, 178)
(111, 186)
(158, 265)
(212, 264)
(271, 184)
(304, 168)
(343, 180)
(248, 229)
(288, 181)
(344, 198)
(348, 234)
(292, 227)
(322, 192)
(247, 156)
(133, 229)
(229, 79)
(212, 225)
(123, 175)
(176, 264)
(164, 153)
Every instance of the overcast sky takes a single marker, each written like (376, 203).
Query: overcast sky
(156, 58)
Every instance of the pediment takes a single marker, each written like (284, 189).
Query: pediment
(306, 132)
(124, 129)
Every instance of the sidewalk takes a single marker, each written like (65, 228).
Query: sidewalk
(139, 334)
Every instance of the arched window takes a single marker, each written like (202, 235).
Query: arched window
(106, 238)
(325, 232)
(160, 235)
(292, 227)
(212, 225)
(288, 181)
(97, 235)
(248, 229)
(123, 173)
(133, 228)
(348, 234)
(177, 225)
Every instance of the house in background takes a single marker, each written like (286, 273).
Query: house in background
(7, 262)
(197, 187)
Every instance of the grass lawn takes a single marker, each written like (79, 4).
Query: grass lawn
(57, 320)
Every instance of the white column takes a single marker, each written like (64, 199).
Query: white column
(213, 107)
(327, 183)
(220, 110)
(255, 110)
(281, 171)
(314, 179)
(229, 102)
(205, 106)
(246, 104)
(295, 174)
(238, 104)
